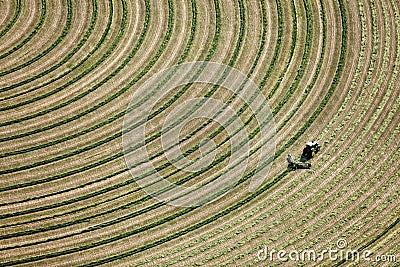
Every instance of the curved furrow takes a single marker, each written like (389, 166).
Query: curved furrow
(328, 68)
(16, 14)
(29, 26)
(33, 79)
(326, 98)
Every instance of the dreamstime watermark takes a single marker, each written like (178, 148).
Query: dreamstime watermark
(340, 253)
(155, 90)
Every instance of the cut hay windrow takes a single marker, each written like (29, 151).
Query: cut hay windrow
(241, 180)
(14, 19)
(81, 43)
(64, 33)
(278, 129)
(31, 35)
(59, 204)
(329, 69)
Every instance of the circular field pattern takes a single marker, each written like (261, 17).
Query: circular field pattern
(327, 70)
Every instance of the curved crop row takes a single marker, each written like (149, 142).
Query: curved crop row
(329, 69)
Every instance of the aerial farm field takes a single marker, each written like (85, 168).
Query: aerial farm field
(69, 70)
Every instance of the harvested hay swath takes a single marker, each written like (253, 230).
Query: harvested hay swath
(68, 70)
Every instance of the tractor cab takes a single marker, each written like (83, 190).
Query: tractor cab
(309, 151)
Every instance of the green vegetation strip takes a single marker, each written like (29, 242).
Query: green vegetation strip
(372, 241)
(311, 119)
(314, 78)
(303, 63)
(182, 58)
(278, 43)
(361, 157)
(317, 71)
(59, 64)
(117, 135)
(58, 203)
(17, 13)
(292, 47)
(52, 46)
(35, 30)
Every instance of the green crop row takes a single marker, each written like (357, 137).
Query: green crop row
(377, 156)
(214, 42)
(60, 63)
(387, 245)
(325, 98)
(292, 47)
(262, 189)
(303, 63)
(354, 83)
(277, 46)
(316, 74)
(183, 56)
(13, 20)
(107, 54)
(317, 71)
(30, 36)
(45, 52)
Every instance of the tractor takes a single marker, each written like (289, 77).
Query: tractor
(309, 151)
